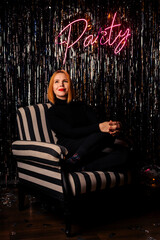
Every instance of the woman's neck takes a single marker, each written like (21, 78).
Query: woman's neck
(60, 101)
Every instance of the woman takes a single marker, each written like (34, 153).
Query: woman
(78, 129)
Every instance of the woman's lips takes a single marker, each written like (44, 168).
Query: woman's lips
(61, 89)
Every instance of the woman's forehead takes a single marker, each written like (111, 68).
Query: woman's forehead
(60, 76)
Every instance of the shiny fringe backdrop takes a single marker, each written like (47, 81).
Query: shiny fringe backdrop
(125, 85)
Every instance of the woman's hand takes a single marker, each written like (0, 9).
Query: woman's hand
(110, 127)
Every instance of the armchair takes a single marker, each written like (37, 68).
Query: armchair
(40, 164)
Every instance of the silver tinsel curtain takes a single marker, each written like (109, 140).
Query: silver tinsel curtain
(126, 86)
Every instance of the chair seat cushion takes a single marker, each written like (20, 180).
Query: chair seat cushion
(85, 182)
(48, 178)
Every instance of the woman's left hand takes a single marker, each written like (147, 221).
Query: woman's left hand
(115, 127)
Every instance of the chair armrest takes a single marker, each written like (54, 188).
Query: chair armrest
(38, 151)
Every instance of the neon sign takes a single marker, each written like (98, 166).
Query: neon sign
(104, 36)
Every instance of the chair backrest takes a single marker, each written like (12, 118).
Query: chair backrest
(33, 125)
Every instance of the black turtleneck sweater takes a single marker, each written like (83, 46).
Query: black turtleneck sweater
(77, 127)
(72, 120)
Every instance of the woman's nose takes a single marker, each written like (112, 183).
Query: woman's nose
(61, 83)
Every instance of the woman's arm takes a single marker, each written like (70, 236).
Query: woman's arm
(112, 127)
(65, 128)
(91, 114)
(62, 127)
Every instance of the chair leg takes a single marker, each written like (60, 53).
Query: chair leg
(67, 216)
(21, 197)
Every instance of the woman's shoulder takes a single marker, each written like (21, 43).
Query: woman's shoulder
(72, 104)
(82, 105)
(78, 104)
(52, 109)
(52, 106)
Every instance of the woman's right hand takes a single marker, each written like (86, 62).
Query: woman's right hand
(110, 127)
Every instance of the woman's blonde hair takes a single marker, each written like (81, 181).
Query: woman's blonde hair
(51, 95)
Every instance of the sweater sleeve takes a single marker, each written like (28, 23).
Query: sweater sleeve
(60, 126)
(91, 115)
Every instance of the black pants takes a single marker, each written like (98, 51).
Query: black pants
(90, 150)
(120, 158)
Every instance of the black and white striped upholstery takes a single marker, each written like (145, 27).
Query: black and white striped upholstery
(38, 158)
(32, 124)
(85, 182)
(39, 164)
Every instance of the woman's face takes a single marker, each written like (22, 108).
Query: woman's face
(61, 86)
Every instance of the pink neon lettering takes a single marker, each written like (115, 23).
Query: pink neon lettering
(69, 35)
(103, 36)
(123, 41)
(110, 33)
(104, 33)
(90, 39)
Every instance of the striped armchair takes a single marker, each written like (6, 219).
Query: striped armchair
(40, 163)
